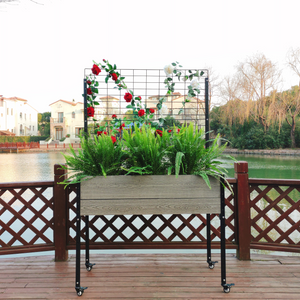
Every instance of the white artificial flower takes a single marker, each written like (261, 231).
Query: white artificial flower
(195, 84)
(169, 70)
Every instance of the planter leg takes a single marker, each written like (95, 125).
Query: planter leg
(211, 264)
(88, 265)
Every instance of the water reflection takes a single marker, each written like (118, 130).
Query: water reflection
(18, 167)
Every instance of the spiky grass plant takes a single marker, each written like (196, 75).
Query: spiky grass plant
(146, 151)
(98, 156)
(189, 154)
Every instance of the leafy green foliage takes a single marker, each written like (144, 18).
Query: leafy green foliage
(146, 151)
(98, 156)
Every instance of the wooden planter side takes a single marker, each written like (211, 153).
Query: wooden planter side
(149, 194)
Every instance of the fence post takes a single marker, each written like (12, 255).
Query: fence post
(243, 210)
(60, 214)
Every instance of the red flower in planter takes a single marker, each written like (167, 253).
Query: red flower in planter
(151, 110)
(141, 112)
(159, 132)
(96, 70)
(114, 76)
(128, 97)
(113, 139)
(90, 111)
(170, 130)
(114, 116)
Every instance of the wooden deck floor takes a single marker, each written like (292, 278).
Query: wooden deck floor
(150, 276)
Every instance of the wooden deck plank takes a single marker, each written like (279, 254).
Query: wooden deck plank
(150, 276)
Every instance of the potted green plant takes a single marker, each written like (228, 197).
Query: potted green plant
(146, 148)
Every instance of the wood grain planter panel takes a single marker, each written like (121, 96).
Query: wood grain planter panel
(149, 194)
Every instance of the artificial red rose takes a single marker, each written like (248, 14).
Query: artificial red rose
(114, 116)
(96, 70)
(89, 82)
(90, 111)
(141, 112)
(89, 91)
(128, 97)
(104, 60)
(123, 125)
(101, 132)
(170, 130)
(159, 132)
(140, 97)
(151, 110)
(178, 130)
(114, 76)
(113, 139)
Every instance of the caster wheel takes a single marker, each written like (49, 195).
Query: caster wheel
(79, 293)
(211, 266)
(89, 268)
(226, 289)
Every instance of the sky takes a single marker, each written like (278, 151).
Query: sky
(46, 44)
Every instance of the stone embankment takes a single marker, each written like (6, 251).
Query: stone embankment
(264, 151)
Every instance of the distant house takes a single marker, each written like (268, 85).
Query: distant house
(67, 116)
(18, 117)
(193, 111)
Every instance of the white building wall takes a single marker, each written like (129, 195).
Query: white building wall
(16, 115)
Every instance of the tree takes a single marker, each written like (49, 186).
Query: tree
(258, 77)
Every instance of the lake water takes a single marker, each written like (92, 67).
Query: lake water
(18, 167)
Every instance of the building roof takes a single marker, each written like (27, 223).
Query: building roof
(7, 132)
(68, 102)
(12, 98)
(109, 97)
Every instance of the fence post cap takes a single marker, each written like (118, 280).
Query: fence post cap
(241, 167)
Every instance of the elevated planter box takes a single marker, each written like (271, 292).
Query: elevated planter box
(149, 194)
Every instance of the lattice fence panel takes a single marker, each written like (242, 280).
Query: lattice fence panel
(26, 216)
(151, 230)
(275, 214)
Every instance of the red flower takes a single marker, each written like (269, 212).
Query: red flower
(89, 91)
(151, 110)
(113, 139)
(178, 130)
(141, 112)
(90, 111)
(140, 97)
(96, 70)
(128, 97)
(89, 82)
(170, 130)
(114, 76)
(101, 132)
(159, 132)
(123, 125)
(104, 60)
(114, 116)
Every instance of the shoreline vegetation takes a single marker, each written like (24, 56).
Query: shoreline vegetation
(228, 150)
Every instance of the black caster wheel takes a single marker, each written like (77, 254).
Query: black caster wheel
(226, 289)
(89, 268)
(79, 293)
(211, 266)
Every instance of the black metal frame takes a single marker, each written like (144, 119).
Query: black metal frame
(211, 264)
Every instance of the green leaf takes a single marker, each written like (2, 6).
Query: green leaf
(110, 67)
(131, 92)
(122, 78)
(106, 79)
(178, 162)
(159, 106)
(202, 72)
(129, 106)
(115, 66)
(96, 103)
(173, 64)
